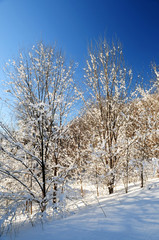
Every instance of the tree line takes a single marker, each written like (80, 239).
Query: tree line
(113, 138)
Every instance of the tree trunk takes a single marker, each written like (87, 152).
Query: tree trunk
(55, 184)
(43, 207)
(82, 193)
(127, 173)
(112, 178)
(97, 181)
(111, 190)
(142, 176)
(111, 184)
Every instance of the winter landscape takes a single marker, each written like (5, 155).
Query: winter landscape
(79, 140)
(121, 216)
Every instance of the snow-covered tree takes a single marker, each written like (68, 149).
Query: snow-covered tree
(108, 81)
(144, 110)
(41, 87)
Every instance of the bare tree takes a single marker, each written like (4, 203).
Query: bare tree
(108, 80)
(42, 88)
(145, 124)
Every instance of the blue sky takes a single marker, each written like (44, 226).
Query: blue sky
(74, 23)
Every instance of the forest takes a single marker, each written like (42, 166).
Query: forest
(112, 137)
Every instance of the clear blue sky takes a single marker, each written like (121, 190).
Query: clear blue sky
(74, 23)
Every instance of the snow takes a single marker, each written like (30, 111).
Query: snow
(132, 216)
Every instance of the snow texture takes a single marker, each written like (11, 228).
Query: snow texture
(132, 216)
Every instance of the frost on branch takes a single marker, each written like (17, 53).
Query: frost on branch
(35, 163)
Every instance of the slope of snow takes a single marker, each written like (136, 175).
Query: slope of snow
(132, 216)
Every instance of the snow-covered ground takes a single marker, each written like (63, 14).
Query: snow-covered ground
(132, 216)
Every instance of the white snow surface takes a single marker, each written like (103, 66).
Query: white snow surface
(132, 216)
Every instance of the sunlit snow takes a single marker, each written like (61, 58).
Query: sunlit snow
(132, 216)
